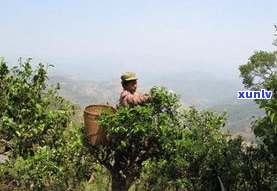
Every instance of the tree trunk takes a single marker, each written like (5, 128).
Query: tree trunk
(119, 183)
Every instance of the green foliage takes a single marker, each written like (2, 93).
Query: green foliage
(260, 161)
(100, 180)
(137, 134)
(258, 169)
(147, 127)
(199, 156)
(275, 40)
(62, 168)
(260, 70)
(170, 148)
(260, 73)
(45, 147)
(31, 113)
(157, 145)
(39, 172)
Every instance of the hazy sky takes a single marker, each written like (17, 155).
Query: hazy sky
(103, 38)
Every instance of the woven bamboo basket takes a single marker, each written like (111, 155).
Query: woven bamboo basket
(96, 134)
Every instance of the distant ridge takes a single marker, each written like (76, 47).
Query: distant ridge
(85, 92)
(200, 89)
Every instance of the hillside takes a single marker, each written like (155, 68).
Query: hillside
(84, 92)
(204, 88)
(212, 92)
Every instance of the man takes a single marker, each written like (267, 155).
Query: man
(129, 96)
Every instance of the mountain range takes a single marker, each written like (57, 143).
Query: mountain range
(202, 90)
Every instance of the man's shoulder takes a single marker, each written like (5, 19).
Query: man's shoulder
(125, 93)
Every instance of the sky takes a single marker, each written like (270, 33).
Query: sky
(98, 40)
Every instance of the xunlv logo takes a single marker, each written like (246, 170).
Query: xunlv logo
(263, 94)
